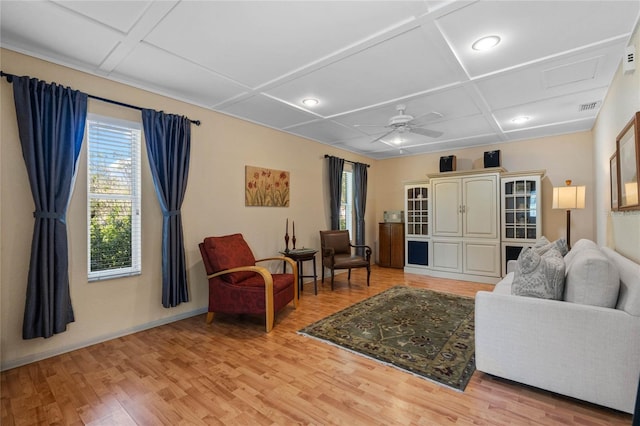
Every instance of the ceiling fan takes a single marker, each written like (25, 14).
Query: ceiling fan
(402, 123)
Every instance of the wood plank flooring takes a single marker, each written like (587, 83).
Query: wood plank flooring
(232, 373)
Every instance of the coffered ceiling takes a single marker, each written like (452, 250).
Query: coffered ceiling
(257, 60)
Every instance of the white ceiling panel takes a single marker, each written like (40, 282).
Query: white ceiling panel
(463, 127)
(121, 15)
(557, 110)
(451, 145)
(325, 130)
(551, 130)
(398, 67)
(361, 144)
(255, 42)
(262, 109)
(531, 30)
(550, 79)
(174, 76)
(51, 31)
(257, 60)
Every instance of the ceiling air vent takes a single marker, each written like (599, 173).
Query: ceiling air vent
(590, 106)
(629, 61)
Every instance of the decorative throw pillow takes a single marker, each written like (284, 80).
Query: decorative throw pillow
(542, 241)
(230, 251)
(592, 279)
(560, 244)
(539, 275)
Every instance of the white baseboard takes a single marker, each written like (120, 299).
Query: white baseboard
(58, 351)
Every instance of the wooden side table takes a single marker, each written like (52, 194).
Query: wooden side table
(301, 256)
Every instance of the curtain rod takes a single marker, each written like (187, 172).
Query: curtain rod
(346, 161)
(9, 78)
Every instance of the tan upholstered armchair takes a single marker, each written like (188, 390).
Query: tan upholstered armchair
(337, 254)
(238, 286)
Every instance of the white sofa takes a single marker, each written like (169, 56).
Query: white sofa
(583, 351)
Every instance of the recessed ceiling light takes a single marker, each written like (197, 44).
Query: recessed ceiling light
(486, 43)
(521, 119)
(310, 102)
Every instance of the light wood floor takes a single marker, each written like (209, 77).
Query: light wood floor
(189, 373)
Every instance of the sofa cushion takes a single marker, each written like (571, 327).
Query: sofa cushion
(580, 245)
(592, 279)
(539, 275)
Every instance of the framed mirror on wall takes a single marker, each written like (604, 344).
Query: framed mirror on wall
(628, 163)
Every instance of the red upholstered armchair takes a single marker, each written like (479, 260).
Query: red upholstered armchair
(238, 286)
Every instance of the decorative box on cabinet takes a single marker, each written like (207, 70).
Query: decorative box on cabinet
(391, 245)
(416, 208)
(521, 212)
(465, 225)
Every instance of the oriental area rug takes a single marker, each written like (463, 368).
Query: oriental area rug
(424, 332)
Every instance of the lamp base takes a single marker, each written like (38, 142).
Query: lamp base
(569, 229)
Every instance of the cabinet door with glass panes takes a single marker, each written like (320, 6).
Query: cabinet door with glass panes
(417, 209)
(521, 212)
(521, 215)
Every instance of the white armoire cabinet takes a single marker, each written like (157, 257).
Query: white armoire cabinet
(465, 224)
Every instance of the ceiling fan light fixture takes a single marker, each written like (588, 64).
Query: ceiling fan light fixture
(520, 119)
(486, 43)
(310, 102)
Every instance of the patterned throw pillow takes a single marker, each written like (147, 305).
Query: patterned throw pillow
(543, 245)
(538, 275)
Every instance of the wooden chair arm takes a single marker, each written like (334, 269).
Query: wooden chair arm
(360, 246)
(268, 288)
(258, 269)
(367, 251)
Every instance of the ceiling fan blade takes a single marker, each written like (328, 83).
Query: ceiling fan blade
(383, 136)
(370, 125)
(425, 118)
(426, 132)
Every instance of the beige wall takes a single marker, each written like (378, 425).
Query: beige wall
(618, 230)
(214, 205)
(563, 157)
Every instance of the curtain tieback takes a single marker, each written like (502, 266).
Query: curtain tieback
(41, 214)
(172, 213)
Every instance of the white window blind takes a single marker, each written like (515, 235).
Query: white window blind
(346, 202)
(113, 199)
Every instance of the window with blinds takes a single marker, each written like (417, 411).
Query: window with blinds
(346, 202)
(113, 199)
